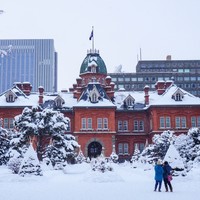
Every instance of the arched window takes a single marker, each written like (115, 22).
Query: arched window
(94, 97)
(59, 103)
(10, 98)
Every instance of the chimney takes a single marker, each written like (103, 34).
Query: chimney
(108, 80)
(41, 93)
(27, 88)
(146, 95)
(79, 81)
(160, 87)
(19, 85)
(169, 57)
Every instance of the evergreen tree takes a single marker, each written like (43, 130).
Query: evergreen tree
(27, 122)
(30, 164)
(15, 154)
(101, 164)
(4, 145)
(80, 158)
(135, 157)
(158, 149)
(174, 159)
(189, 147)
(63, 146)
(114, 157)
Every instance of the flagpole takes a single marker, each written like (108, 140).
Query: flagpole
(93, 39)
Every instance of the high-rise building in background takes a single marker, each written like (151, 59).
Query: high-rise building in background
(28, 60)
(184, 73)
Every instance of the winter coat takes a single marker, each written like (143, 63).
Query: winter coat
(166, 170)
(158, 172)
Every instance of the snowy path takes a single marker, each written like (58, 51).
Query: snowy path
(80, 183)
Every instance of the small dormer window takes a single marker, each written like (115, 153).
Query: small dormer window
(94, 95)
(178, 97)
(93, 69)
(10, 98)
(94, 98)
(129, 101)
(59, 103)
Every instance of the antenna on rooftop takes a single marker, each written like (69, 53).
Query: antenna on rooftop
(140, 54)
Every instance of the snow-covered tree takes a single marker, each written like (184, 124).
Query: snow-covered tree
(80, 157)
(30, 164)
(135, 157)
(62, 149)
(114, 157)
(27, 122)
(174, 159)
(4, 145)
(51, 124)
(63, 146)
(100, 164)
(189, 147)
(159, 147)
(15, 154)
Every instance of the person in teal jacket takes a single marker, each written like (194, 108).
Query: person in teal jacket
(158, 175)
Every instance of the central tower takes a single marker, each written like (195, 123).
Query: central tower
(93, 68)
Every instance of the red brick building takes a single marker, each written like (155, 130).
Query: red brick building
(102, 119)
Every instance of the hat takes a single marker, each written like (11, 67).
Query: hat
(166, 163)
(159, 162)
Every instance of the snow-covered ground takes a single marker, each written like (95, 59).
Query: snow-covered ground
(79, 182)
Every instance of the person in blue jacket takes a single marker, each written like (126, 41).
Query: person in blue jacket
(167, 171)
(158, 175)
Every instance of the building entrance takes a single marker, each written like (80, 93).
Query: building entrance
(94, 149)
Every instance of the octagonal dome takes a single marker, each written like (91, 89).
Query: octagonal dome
(93, 59)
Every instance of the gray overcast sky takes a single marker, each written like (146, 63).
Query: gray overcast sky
(121, 28)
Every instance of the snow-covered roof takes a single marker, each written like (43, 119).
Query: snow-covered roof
(165, 99)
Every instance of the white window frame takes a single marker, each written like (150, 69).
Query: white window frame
(105, 123)
(99, 123)
(89, 123)
(136, 127)
(120, 125)
(83, 123)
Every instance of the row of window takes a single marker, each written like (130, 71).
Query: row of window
(123, 148)
(138, 125)
(180, 122)
(7, 123)
(154, 79)
(86, 123)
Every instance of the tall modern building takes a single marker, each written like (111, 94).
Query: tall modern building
(28, 60)
(184, 73)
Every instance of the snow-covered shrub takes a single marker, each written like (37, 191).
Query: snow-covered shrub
(101, 164)
(15, 162)
(80, 158)
(114, 157)
(30, 164)
(135, 158)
